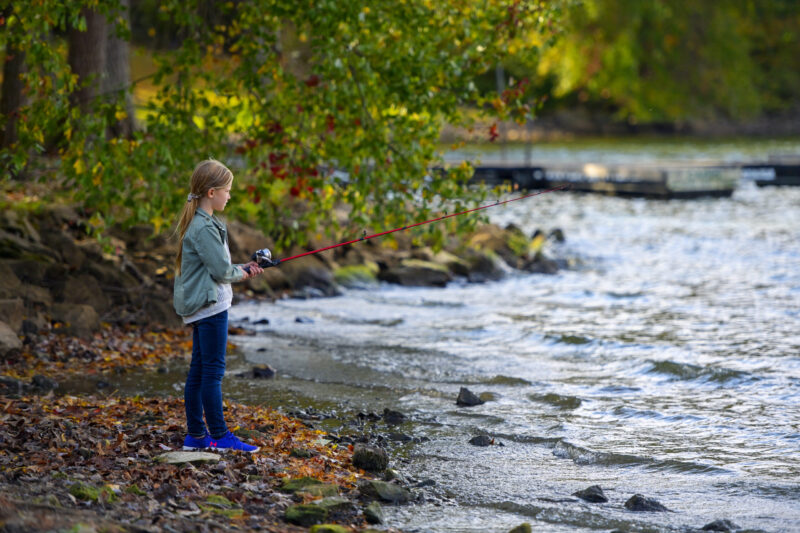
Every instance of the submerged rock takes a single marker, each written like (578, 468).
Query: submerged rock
(720, 525)
(639, 503)
(481, 440)
(328, 528)
(263, 372)
(393, 417)
(522, 528)
(370, 458)
(593, 494)
(466, 398)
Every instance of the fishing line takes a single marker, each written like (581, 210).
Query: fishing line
(264, 257)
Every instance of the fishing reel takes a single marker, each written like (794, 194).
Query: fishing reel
(264, 259)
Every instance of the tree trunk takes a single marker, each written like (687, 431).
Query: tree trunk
(87, 57)
(117, 80)
(11, 97)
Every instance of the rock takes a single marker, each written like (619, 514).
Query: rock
(71, 255)
(556, 234)
(335, 504)
(263, 372)
(9, 342)
(393, 417)
(244, 240)
(303, 320)
(328, 528)
(43, 383)
(89, 493)
(180, 458)
(301, 453)
(593, 494)
(466, 398)
(81, 289)
(453, 263)
(481, 440)
(10, 386)
(720, 525)
(639, 503)
(79, 320)
(483, 266)
(381, 490)
(298, 484)
(417, 273)
(540, 265)
(306, 514)
(11, 312)
(522, 528)
(357, 276)
(323, 490)
(9, 282)
(390, 474)
(261, 322)
(370, 458)
(310, 273)
(373, 513)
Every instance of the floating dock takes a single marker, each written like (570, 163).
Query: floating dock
(780, 170)
(656, 180)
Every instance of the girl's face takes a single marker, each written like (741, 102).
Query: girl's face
(219, 197)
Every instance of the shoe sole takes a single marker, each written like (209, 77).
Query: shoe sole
(231, 450)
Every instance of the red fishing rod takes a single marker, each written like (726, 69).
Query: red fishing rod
(264, 257)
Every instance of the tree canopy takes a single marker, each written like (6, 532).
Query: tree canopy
(312, 103)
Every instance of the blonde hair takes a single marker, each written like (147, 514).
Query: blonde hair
(207, 175)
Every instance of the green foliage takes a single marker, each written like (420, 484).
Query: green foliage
(661, 60)
(315, 105)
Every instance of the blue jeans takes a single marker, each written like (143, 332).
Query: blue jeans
(203, 391)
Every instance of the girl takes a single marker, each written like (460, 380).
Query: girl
(203, 277)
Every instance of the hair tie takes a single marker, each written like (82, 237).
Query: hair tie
(192, 196)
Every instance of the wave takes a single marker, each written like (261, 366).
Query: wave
(689, 372)
(584, 456)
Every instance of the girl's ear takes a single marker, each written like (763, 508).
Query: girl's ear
(210, 193)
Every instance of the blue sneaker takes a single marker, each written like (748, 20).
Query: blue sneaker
(193, 443)
(230, 442)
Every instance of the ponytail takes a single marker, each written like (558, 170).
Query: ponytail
(207, 175)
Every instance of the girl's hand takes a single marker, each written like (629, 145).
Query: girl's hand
(254, 269)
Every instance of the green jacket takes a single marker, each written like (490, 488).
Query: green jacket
(204, 263)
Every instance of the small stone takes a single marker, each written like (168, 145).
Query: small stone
(303, 320)
(300, 483)
(593, 494)
(393, 417)
(328, 528)
(481, 440)
(380, 490)
(44, 383)
(178, 458)
(370, 458)
(374, 513)
(522, 528)
(305, 514)
(261, 321)
(335, 504)
(301, 453)
(263, 372)
(720, 525)
(639, 503)
(466, 398)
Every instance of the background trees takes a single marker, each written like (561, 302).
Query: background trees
(299, 97)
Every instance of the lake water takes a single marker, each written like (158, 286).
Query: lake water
(665, 361)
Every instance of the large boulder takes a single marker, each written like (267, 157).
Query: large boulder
(11, 312)
(310, 275)
(66, 248)
(483, 266)
(417, 273)
(383, 491)
(81, 289)
(79, 320)
(244, 240)
(9, 282)
(9, 342)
